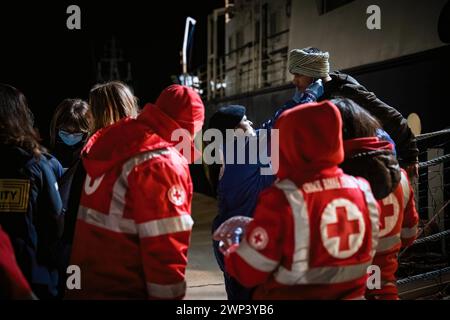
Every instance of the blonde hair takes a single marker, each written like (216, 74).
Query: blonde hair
(111, 102)
(70, 113)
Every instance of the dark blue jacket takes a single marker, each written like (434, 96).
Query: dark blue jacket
(31, 214)
(239, 187)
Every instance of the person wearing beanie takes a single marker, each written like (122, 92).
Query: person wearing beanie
(134, 220)
(238, 185)
(309, 64)
(229, 117)
(314, 232)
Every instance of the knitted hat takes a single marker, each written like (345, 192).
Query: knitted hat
(311, 64)
(227, 117)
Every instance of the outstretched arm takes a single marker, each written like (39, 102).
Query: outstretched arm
(311, 94)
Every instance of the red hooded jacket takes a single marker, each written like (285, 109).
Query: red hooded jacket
(398, 228)
(13, 284)
(315, 231)
(398, 220)
(134, 222)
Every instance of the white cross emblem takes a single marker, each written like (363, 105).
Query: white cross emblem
(176, 195)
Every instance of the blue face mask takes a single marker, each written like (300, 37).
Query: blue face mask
(70, 139)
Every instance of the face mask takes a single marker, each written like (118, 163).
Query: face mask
(70, 139)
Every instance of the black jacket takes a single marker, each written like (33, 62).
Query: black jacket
(70, 188)
(67, 155)
(343, 85)
(31, 214)
(380, 168)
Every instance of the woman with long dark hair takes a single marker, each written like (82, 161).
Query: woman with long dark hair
(366, 155)
(371, 157)
(30, 205)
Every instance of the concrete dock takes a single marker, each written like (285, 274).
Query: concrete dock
(204, 278)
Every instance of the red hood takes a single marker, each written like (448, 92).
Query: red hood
(358, 145)
(179, 107)
(183, 105)
(310, 141)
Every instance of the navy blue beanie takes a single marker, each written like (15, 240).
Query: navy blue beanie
(227, 117)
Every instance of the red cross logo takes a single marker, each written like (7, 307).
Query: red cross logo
(390, 210)
(342, 228)
(259, 238)
(176, 195)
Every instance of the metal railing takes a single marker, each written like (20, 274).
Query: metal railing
(429, 251)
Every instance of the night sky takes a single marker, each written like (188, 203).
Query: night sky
(48, 62)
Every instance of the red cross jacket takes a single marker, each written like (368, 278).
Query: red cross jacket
(315, 231)
(398, 227)
(134, 222)
(13, 284)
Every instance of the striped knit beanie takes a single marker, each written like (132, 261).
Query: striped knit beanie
(313, 65)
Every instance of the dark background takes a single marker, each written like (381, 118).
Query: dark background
(48, 62)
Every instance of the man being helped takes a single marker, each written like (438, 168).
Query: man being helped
(309, 64)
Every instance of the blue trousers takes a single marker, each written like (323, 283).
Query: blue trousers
(235, 291)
